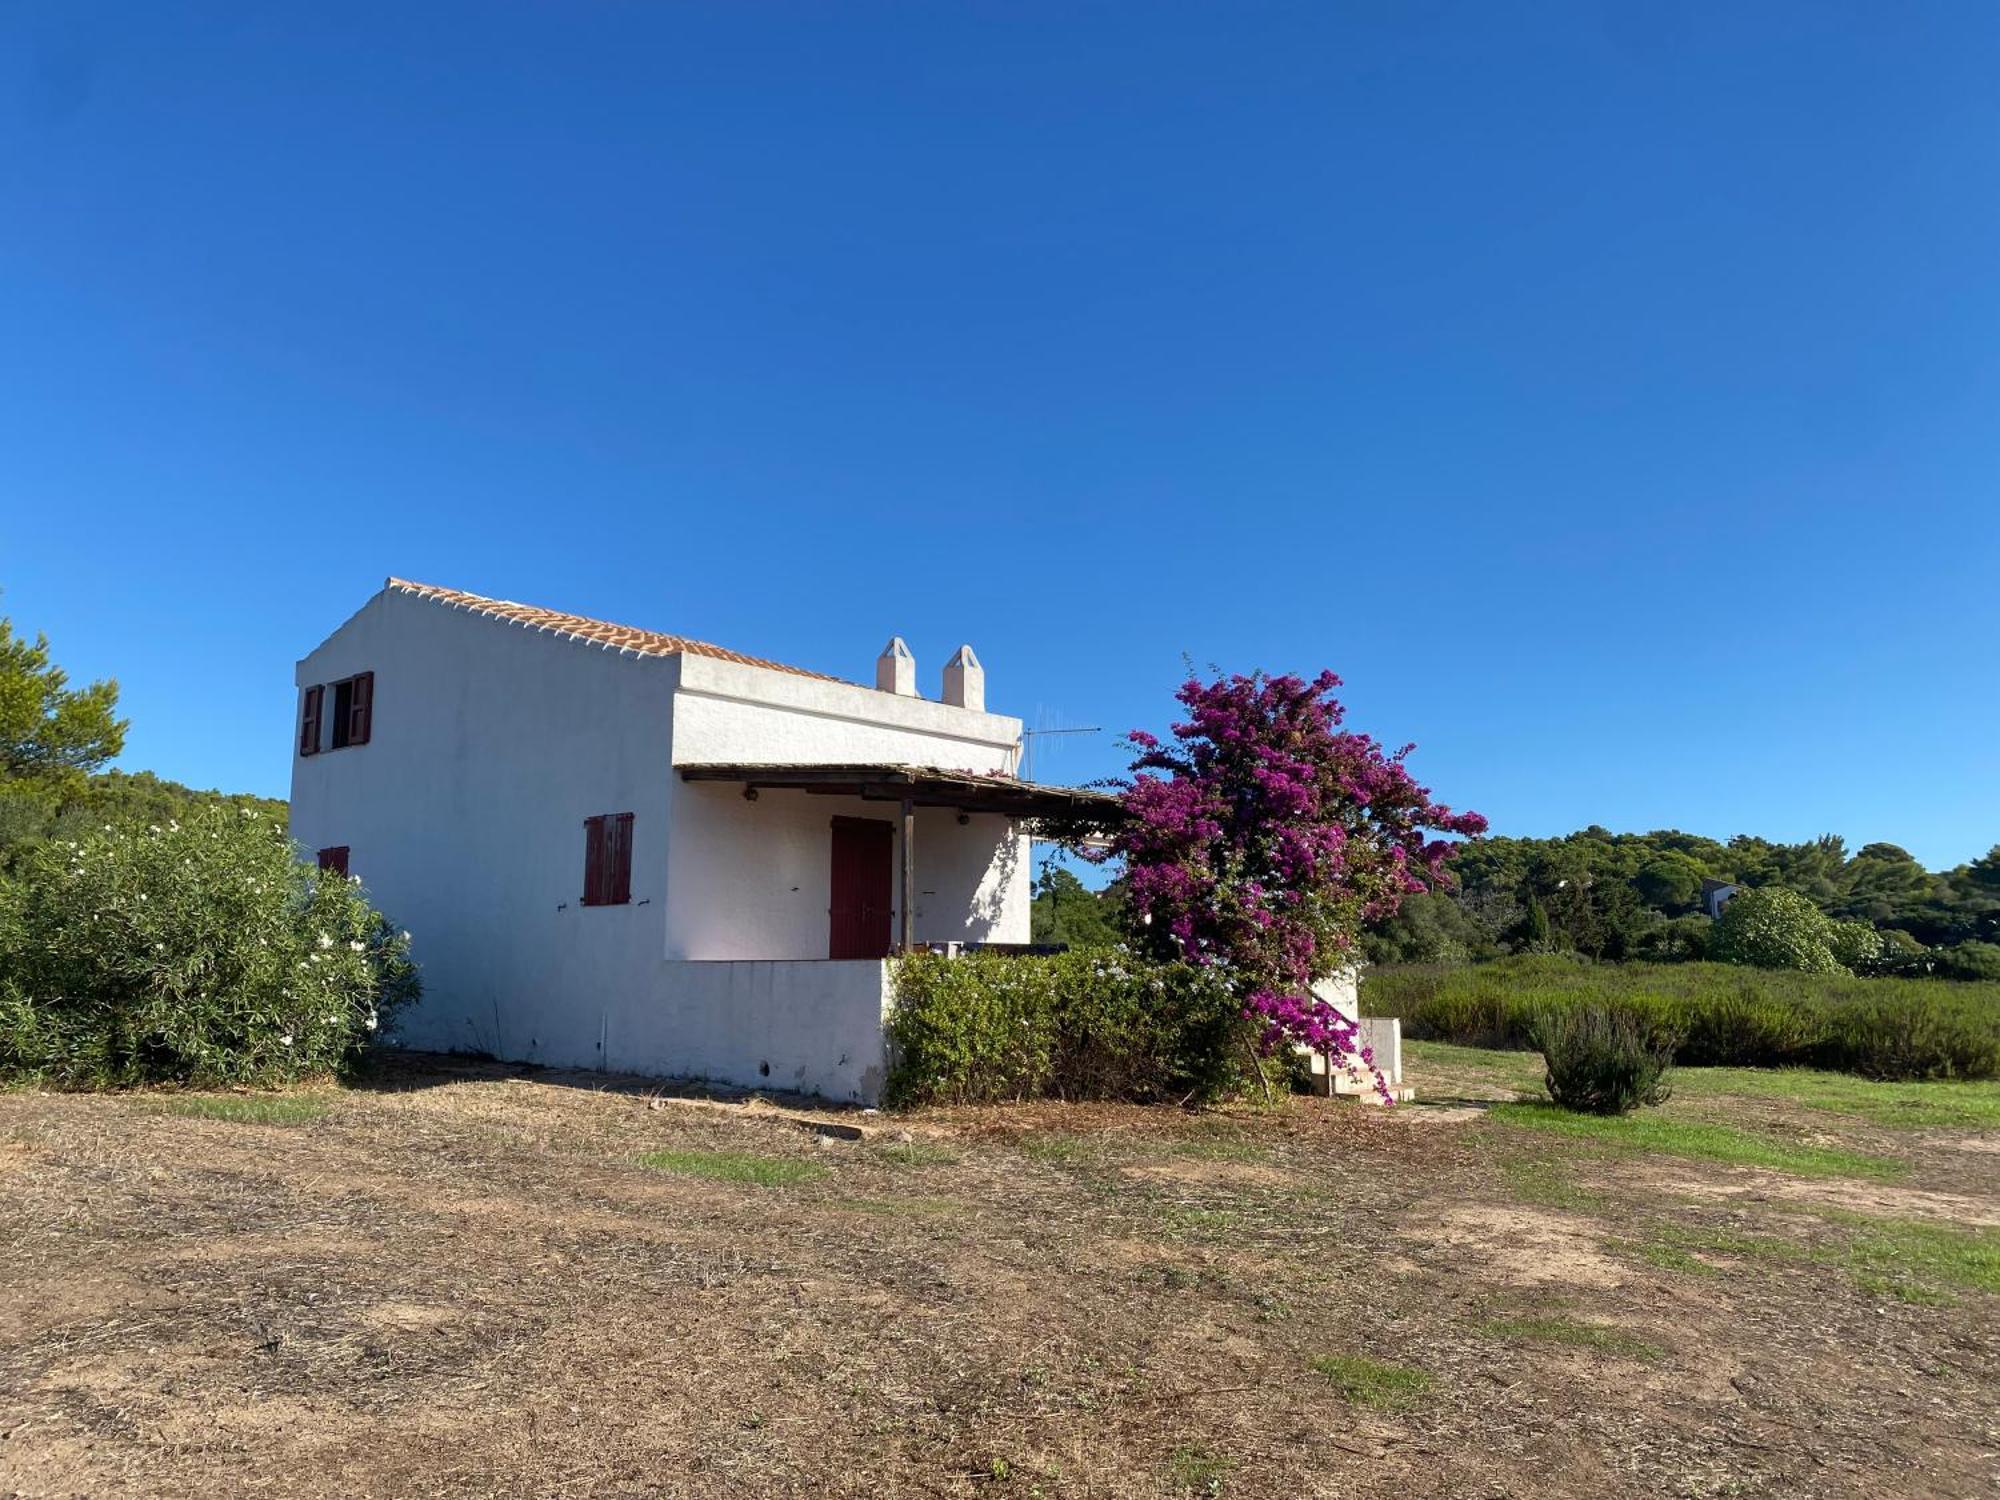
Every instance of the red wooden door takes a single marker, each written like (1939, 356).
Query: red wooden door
(863, 886)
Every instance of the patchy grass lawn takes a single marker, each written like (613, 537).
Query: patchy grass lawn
(735, 1166)
(468, 1280)
(247, 1109)
(1699, 1140)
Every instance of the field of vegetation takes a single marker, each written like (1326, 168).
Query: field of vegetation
(1724, 1015)
(462, 1280)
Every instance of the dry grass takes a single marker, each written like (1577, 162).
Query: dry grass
(470, 1282)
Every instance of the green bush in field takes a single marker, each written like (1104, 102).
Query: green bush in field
(201, 952)
(1091, 1024)
(1604, 1059)
(1773, 928)
(1910, 1036)
(1854, 945)
(1725, 1015)
(1969, 960)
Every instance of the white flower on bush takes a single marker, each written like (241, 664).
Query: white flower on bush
(285, 1040)
(325, 941)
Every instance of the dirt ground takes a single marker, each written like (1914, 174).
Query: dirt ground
(463, 1281)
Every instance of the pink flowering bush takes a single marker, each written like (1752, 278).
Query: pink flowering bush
(1263, 835)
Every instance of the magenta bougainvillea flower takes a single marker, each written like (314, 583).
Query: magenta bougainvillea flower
(1263, 836)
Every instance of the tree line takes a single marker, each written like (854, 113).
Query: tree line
(1637, 896)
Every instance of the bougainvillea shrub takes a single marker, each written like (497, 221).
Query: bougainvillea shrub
(200, 952)
(1262, 835)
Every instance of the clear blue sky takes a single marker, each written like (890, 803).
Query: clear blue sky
(1611, 393)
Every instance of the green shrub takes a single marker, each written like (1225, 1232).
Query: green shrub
(1854, 945)
(1725, 1015)
(1910, 1033)
(1976, 961)
(1742, 1027)
(1095, 1024)
(1773, 928)
(201, 953)
(1604, 1059)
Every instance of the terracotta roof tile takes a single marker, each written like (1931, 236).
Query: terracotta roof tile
(598, 632)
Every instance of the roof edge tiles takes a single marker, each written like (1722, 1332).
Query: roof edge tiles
(597, 632)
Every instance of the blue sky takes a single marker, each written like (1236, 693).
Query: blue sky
(1610, 393)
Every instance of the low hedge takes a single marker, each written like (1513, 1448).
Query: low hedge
(1094, 1024)
(1725, 1015)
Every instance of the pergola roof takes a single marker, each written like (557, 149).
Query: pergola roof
(1062, 809)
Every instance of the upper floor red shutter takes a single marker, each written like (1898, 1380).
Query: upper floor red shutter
(310, 718)
(334, 859)
(361, 709)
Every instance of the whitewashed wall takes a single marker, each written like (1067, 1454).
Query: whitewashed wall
(813, 1028)
(490, 745)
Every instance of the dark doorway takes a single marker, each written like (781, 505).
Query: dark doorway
(863, 887)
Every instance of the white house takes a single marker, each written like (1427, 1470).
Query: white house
(627, 850)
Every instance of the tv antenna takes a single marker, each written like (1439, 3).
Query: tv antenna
(1047, 726)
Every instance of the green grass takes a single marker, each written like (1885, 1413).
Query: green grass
(1196, 1471)
(1496, 1068)
(1917, 1105)
(1555, 1330)
(247, 1109)
(1060, 1149)
(1547, 1185)
(1917, 1259)
(1215, 1145)
(1698, 1140)
(735, 1166)
(1373, 1382)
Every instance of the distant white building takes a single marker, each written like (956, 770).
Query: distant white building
(621, 849)
(1716, 894)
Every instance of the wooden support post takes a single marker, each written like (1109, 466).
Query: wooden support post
(909, 875)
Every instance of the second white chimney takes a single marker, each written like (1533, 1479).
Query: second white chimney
(965, 681)
(896, 669)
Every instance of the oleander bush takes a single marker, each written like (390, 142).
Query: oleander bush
(201, 952)
(1725, 1015)
(1604, 1059)
(1090, 1024)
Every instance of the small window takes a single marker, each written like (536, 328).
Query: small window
(334, 859)
(353, 710)
(309, 719)
(607, 859)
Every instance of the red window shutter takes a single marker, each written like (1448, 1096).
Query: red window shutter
(620, 858)
(593, 861)
(309, 720)
(361, 711)
(334, 859)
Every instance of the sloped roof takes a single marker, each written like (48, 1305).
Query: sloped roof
(598, 632)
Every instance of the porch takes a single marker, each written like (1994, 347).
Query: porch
(859, 861)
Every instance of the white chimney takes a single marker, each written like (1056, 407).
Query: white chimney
(896, 669)
(965, 681)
